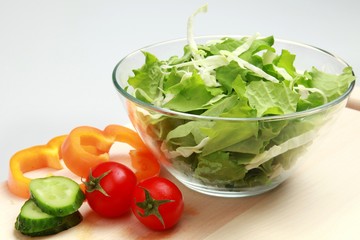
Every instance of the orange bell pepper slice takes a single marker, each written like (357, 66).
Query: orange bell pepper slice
(145, 164)
(142, 160)
(86, 147)
(30, 159)
(126, 135)
(83, 149)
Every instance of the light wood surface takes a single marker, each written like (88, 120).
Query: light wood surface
(321, 200)
(354, 100)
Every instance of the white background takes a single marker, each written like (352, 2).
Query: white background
(57, 57)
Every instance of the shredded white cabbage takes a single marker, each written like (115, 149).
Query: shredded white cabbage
(304, 92)
(230, 56)
(284, 73)
(186, 75)
(187, 151)
(210, 62)
(190, 34)
(205, 66)
(268, 57)
(246, 45)
(208, 76)
(282, 148)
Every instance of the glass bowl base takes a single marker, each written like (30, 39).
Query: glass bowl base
(234, 193)
(230, 192)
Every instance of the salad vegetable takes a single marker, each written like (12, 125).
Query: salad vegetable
(85, 147)
(53, 207)
(32, 221)
(233, 78)
(30, 159)
(157, 203)
(56, 195)
(109, 189)
(82, 149)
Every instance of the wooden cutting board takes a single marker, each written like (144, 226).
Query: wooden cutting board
(321, 200)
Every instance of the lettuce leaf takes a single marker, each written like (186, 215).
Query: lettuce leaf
(218, 167)
(333, 86)
(226, 133)
(188, 95)
(270, 98)
(234, 78)
(147, 79)
(286, 61)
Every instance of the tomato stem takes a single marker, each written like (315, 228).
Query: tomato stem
(94, 183)
(151, 206)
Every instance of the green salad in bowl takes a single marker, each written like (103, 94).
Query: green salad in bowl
(231, 115)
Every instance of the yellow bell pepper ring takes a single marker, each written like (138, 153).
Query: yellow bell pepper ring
(30, 159)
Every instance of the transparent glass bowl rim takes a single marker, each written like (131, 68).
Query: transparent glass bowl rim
(172, 113)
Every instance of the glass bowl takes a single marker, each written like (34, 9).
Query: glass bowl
(244, 172)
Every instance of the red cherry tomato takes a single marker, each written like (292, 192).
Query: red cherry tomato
(109, 189)
(157, 203)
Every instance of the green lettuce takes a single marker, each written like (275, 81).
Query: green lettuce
(270, 98)
(234, 78)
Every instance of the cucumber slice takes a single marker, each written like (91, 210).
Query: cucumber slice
(33, 222)
(56, 195)
(68, 222)
(32, 219)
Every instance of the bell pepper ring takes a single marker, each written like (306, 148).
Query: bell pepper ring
(145, 163)
(86, 147)
(83, 148)
(30, 159)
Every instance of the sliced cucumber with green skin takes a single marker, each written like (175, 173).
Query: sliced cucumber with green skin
(68, 222)
(32, 219)
(33, 222)
(56, 195)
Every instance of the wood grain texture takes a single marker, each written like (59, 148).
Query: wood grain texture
(319, 201)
